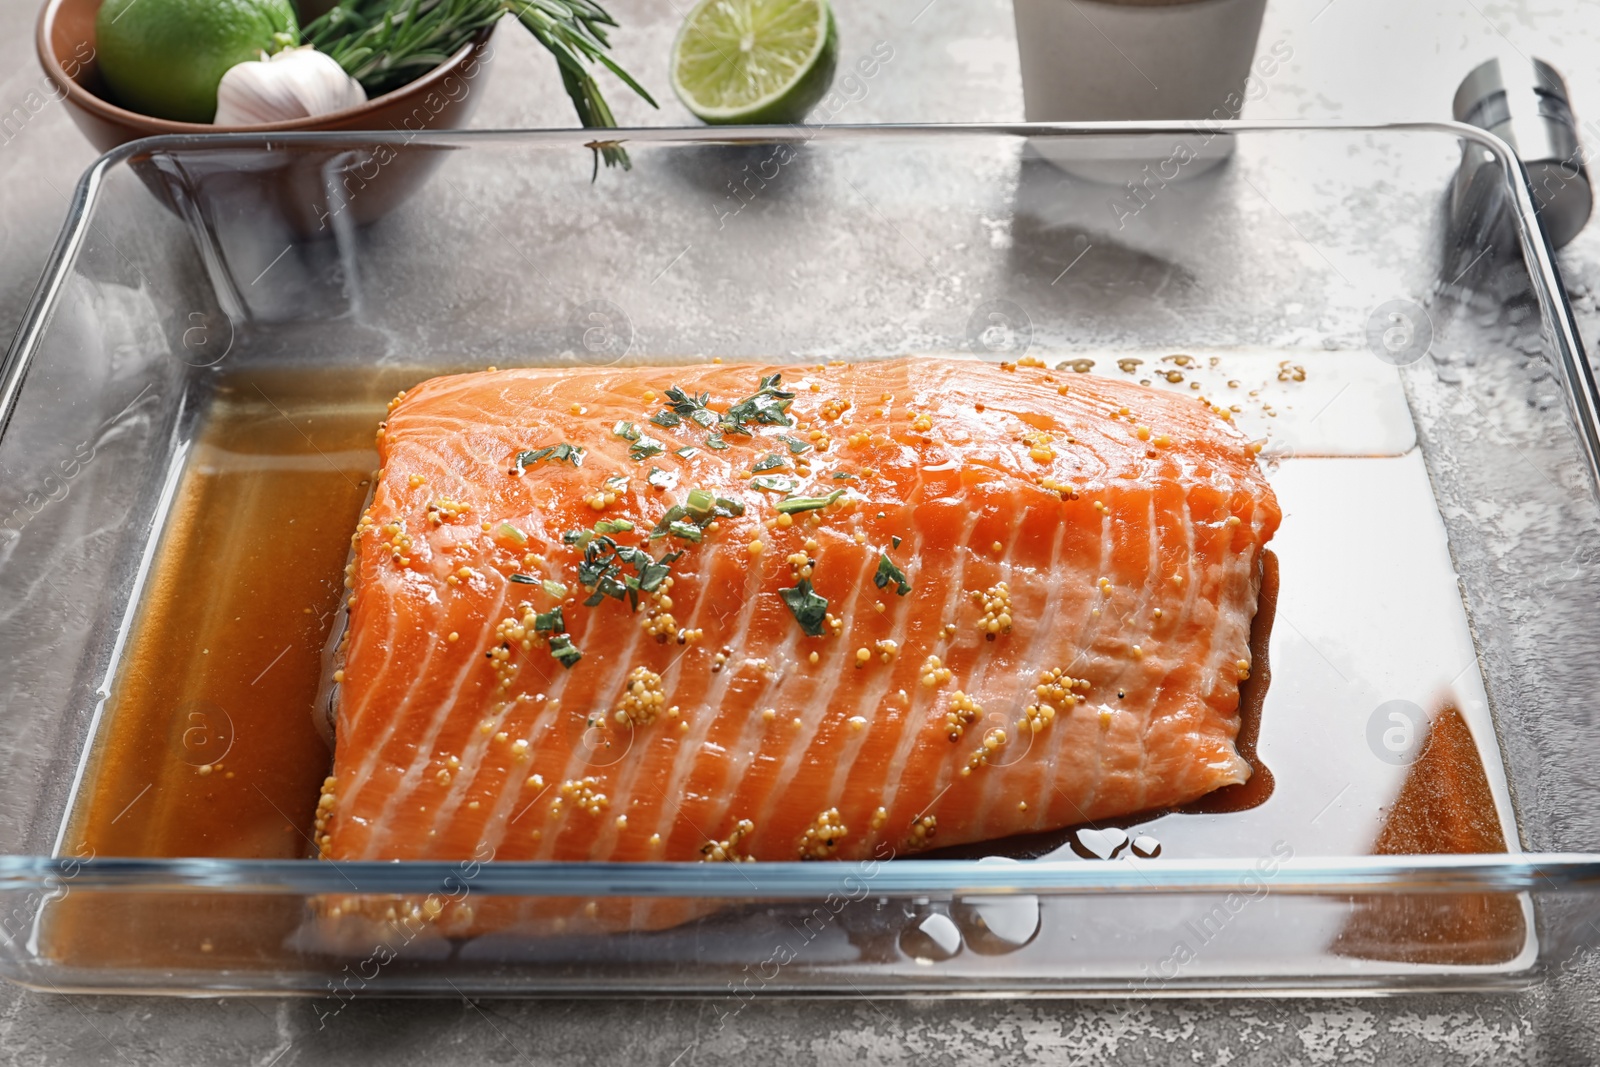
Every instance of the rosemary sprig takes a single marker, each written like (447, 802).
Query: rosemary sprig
(383, 44)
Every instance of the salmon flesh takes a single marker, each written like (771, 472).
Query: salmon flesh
(728, 612)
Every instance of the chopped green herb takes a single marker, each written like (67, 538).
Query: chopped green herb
(700, 504)
(777, 483)
(625, 430)
(555, 589)
(672, 515)
(602, 529)
(809, 609)
(693, 407)
(808, 503)
(686, 452)
(687, 531)
(523, 579)
(795, 446)
(617, 483)
(644, 447)
(550, 622)
(716, 443)
(843, 476)
(661, 479)
(573, 454)
(666, 418)
(895, 541)
(730, 507)
(888, 572)
(565, 652)
(769, 462)
(768, 407)
(511, 533)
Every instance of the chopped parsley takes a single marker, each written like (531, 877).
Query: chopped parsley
(777, 483)
(888, 572)
(666, 418)
(769, 462)
(550, 622)
(729, 507)
(795, 446)
(895, 541)
(809, 609)
(687, 531)
(686, 452)
(808, 503)
(688, 406)
(716, 443)
(672, 515)
(573, 454)
(661, 479)
(645, 446)
(843, 476)
(601, 570)
(524, 579)
(625, 430)
(565, 652)
(769, 406)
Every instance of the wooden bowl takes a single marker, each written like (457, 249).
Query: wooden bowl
(312, 189)
(442, 99)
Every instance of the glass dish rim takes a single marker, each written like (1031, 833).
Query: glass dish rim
(1560, 872)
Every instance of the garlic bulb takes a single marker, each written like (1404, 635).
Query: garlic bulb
(293, 84)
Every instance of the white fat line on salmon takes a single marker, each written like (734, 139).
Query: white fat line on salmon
(679, 813)
(955, 596)
(818, 711)
(1132, 698)
(997, 699)
(546, 720)
(352, 720)
(1089, 624)
(689, 747)
(1040, 641)
(623, 788)
(786, 651)
(908, 720)
(462, 776)
(607, 692)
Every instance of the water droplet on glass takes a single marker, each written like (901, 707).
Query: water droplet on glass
(1099, 844)
(935, 937)
(997, 925)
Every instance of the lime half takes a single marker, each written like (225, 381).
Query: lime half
(755, 61)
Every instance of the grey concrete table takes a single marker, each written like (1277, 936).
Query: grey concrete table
(955, 60)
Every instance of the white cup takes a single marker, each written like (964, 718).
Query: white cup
(1106, 60)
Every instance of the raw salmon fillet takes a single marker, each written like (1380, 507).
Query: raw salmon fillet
(885, 606)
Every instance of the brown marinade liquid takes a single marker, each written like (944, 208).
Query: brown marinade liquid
(209, 746)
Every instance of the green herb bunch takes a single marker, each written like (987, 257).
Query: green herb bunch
(383, 44)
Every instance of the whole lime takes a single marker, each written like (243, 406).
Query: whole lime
(165, 57)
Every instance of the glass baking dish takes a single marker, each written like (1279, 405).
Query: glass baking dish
(224, 317)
